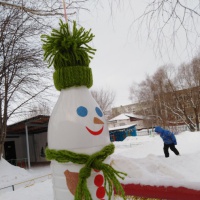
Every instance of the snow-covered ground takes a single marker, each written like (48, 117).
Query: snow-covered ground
(140, 157)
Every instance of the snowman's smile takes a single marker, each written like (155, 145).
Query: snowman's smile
(95, 132)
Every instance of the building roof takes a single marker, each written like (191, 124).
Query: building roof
(125, 116)
(119, 117)
(135, 116)
(121, 127)
(37, 124)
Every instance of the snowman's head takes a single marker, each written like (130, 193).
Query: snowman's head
(77, 121)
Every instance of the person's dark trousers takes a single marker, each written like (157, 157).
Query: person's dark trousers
(172, 147)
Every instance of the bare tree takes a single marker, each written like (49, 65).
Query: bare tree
(45, 8)
(189, 81)
(23, 75)
(169, 101)
(165, 20)
(179, 100)
(134, 92)
(105, 98)
(173, 95)
(40, 109)
(149, 102)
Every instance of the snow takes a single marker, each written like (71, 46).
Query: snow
(141, 157)
(119, 117)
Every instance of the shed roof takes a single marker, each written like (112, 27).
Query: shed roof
(35, 125)
(121, 127)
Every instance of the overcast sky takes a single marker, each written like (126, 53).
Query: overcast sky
(123, 54)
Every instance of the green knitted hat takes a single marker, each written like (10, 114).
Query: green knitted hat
(69, 53)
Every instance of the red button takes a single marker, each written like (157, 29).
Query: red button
(100, 193)
(98, 180)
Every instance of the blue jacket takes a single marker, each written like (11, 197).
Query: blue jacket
(167, 136)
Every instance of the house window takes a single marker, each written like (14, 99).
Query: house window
(185, 97)
(178, 117)
(180, 98)
(190, 116)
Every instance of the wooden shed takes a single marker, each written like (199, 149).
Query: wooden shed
(26, 141)
(121, 132)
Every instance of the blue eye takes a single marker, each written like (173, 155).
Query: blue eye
(82, 111)
(99, 112)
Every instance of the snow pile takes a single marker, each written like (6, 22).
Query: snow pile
(141, 157)
(10, 174)
(39, 191)
(144, 162)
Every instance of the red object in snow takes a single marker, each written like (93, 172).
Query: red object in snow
(161, 192)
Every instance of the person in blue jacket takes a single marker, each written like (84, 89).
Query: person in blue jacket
(169, 140)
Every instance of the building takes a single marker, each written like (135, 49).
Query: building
(127, 119)
(26, 141)
(142, 108)
(179, 108)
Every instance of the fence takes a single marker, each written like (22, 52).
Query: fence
(145, 132)
(174, 129)
(26, 183)
(178, 129)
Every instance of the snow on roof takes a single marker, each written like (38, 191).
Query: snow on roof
(134, 116)
(119, 117)
(121, 127)
(124, 116)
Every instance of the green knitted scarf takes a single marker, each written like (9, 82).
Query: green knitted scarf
(94, 161)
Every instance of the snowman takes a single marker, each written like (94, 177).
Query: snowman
(79, 146)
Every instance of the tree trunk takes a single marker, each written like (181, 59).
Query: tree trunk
(2, 140)
(1, 149)
(191, 127)
(196, 119)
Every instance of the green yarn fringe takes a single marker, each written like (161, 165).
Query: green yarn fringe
(64, 48)
(70, 55)
(94, 161)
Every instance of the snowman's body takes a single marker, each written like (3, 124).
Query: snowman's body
(77, 124)
(65, 179)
